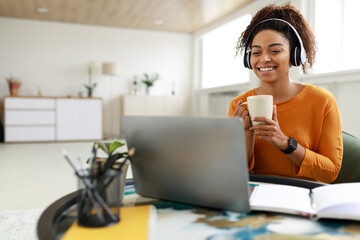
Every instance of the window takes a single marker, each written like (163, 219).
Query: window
(337, 35)
(220, 67)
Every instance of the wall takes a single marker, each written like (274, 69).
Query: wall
(53, 58)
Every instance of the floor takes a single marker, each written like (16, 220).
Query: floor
(34, 175)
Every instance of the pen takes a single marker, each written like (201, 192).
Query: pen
(312, 201)
(93, 158)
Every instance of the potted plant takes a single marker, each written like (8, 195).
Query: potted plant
(113, 163)
(14, 85)
(109, 148)
(149, 81)
(90, 86)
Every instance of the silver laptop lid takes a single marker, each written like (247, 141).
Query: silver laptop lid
(200, 161)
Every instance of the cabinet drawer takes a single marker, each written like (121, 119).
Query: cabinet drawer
(29, 103)
(27, 134)
(29, 117)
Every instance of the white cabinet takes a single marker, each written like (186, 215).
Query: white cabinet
(29, 119)
(91, 119)
(154, 105)
(79, 119)
(51, 119)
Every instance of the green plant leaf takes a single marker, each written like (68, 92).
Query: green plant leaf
(115, 145)
(104, 146)
(90, 87)
(149, 81)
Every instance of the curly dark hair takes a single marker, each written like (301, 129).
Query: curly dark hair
(290, 14)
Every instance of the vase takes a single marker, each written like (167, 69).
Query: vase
(147, 90)
(90, 92)
(14, 92)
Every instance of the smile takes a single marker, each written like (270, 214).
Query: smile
(266, 69)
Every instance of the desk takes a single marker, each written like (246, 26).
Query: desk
(180, 221)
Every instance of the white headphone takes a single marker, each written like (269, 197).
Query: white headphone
(297, 57)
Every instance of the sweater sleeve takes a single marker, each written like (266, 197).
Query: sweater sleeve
(251, 162)
(324, 162)
(232, 106)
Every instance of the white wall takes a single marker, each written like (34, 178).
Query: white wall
(54, 57)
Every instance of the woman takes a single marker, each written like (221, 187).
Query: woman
(303, 138)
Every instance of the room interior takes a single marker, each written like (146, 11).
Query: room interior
(55, 48)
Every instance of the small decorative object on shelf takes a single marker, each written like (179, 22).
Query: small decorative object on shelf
(173, 88)
(38, 91)
(135, 87)
(14, 85)
(149, 81)
(101, 184)
(90, 86)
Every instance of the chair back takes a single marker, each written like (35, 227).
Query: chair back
(350, 168)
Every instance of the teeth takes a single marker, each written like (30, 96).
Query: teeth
(266, 69)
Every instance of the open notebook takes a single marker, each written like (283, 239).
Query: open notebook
(194, 160)
(340, 201)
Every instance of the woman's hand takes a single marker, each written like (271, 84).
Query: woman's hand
(270, 131)
(242, 112)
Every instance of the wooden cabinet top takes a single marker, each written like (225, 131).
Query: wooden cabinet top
(46, 97)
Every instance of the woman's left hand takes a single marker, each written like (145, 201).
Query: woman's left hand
(270, 131)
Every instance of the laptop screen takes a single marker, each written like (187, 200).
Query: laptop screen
(194, 160)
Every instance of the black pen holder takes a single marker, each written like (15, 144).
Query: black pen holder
(100, 206)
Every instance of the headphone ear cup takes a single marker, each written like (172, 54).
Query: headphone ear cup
(295, 57)
(247, 60)
(298, 56)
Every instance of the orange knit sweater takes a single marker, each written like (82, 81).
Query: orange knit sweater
(312, 118)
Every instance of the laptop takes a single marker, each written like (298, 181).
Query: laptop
(194, 160)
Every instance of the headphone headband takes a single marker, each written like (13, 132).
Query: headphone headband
(299, 58)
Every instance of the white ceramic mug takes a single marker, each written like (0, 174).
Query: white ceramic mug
(260, 106)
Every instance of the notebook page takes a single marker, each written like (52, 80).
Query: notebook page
(345, 211)
(336, 194)
(281, 198)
